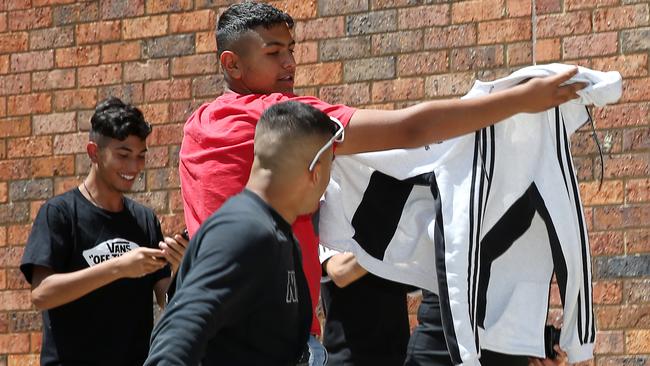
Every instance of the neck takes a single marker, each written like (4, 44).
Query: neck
(100, 194)
(276, 195)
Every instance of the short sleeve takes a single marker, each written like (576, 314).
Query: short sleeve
(50, 241)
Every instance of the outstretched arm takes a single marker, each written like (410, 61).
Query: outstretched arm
(50, 289)
(429, 122)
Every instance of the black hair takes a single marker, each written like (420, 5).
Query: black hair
(294, 119)
(238, 19)
(117, 120)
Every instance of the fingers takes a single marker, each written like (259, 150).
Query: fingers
(151, 252)
(563, 77)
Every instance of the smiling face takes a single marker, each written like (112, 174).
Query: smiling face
(118, 163)
(264, 63)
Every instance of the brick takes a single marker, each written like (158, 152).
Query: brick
(448, 84)
(13, 42)
(607, 292)
(622, 266)
(548, 6)
(586, 4)
(149, 70)
(29, 146)
(631, 16)
(175, 201)
(369, 69)
(621, 317)
(25, 321)
(10, 213)
(98, 32)
(637, 341)
(30, 189)
(634, 40)
(627, 165)
(29, 19)
(70, 143)
(321, 28)
(55, 79)
(23, 360)
(381, 4)
(129, 93)
(3, 286)
(563, 24)
(83, 117)
(32, 61)
(518, 8)
(14, 343)
(344, 48)
(157, 157)
(306, 52)
(349, 94)
(637, 291)
(17, 235)
(75, 13)
(422, 63)
(51, 38)
(54, 123)
(38, 3)
(29, 104)
(206, 42)
(167, 6)
(166, 135)
(121, 8)
(319, 74)
(65, 100)
(200, 20)
(548, 50)
(519, 54)
(607, 218)
(637, 190)
(627, 65)
(180, 111)
(123, 51)
(463, 59)
(172, 223)
(162, 179)
(299, 9)
(3, 242)
(15, 84)
(449, 37)
(606, 243)
(4, 63)
(170, 46)
(622, 115)
(424, 16)
(338, 7)
(16, 5)
(611, 192)
(10, 127)
(154, 200)
(144, 27)
(3, 113)
(195, 65)
(65, 184)
(399, 89)
(207, 86)
(372, 22)
(155, 113)
(3, 22)
(36, 341)
(624, 360)
(610, 343)
(477, 10)
(599, 44)
(100, 75)
(398, 42)
(636, 90)
(53, 166)
(167, 89)
(77, 56)
(507, 30)
(3, 192)
(637, 241)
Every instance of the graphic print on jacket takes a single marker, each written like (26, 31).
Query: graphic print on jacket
(511, 214)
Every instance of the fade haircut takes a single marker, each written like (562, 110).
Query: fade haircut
(114, 119)
(239, 19)
(284, 131)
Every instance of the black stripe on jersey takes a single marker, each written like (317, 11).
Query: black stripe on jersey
(441, 270)
(583, 241)
(558, 139)
(470, 251)
(379, 212)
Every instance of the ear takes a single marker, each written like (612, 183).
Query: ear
(230, 62)
(92, 149)
(315, 174)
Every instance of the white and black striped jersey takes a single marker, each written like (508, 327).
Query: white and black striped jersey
(483, 220)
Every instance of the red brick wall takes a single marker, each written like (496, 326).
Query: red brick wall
(59, 57)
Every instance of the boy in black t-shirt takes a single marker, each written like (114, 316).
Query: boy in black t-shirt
(242, 297)
(94, 257)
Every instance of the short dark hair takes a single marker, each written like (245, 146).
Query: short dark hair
(117, 120)
(295, 119)
(238, 19)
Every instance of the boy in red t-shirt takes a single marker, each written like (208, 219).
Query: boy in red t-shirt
(255, 49)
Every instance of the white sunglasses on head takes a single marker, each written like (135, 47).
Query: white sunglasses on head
(338, 137)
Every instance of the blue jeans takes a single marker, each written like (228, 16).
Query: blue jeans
(317, 353)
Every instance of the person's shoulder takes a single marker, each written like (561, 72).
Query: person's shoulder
(63, 201)
(243, 218)
(137, 207)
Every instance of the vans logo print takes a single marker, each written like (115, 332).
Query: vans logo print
(107, 250)
(292, 288)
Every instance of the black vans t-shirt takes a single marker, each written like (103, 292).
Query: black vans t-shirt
(111, 325)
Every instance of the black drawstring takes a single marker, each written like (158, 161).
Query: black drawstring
(600, 149)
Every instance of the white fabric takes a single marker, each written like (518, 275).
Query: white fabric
(528, 149)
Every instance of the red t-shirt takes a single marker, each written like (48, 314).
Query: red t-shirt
(216, 157)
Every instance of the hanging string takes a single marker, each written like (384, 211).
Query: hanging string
(533, 20)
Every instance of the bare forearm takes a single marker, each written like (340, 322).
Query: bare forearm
(61, 288)
(344, 269)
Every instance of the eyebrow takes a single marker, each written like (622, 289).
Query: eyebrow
(129, 150)
(278, 43)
